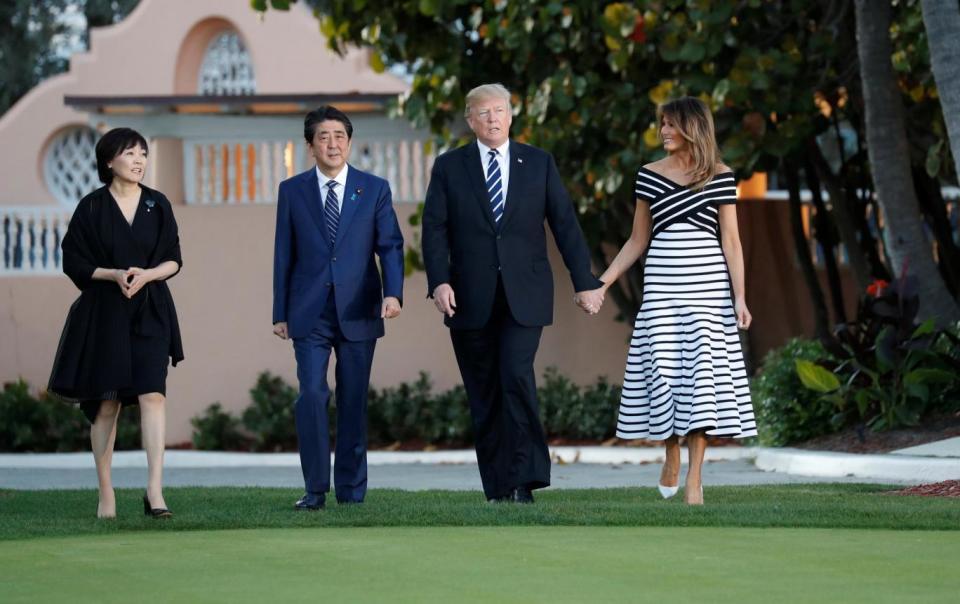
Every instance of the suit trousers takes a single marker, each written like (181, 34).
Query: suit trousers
(354, 360)
(496, 363)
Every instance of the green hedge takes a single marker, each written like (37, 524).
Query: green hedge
(411, 412)
(408, 413)
(43, 424)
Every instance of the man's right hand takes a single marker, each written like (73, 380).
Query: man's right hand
(444, 299)
(280, 330)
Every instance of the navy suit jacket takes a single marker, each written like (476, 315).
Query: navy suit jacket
(465, 247)
(306, 268)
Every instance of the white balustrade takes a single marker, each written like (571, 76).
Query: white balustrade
(30, 239)
(219, 172)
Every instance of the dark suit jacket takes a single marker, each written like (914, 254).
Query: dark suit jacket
(463, 246)
(306, 268)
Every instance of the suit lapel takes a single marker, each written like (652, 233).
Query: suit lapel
(311, 196)
(471, 160)
(352, 197)
(516, 174)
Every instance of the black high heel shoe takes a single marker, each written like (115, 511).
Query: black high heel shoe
(154, 512)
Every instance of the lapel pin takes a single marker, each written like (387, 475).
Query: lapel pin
(150, 203)
(355, 193)
(519, 160)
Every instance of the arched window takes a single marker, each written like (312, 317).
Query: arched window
(227, 68)
(70, 166)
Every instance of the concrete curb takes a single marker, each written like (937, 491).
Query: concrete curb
(902, 468)
(909, 468)
(224, 459)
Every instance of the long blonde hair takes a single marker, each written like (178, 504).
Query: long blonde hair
(692, 119)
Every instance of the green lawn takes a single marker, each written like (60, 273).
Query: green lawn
(487, 564)
(26, 514)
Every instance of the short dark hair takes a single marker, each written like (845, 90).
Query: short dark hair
(112, 144)
(322, 114)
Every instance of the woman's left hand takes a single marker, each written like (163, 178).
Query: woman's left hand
(137, 278)
(744, 318)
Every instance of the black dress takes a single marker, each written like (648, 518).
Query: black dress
(112, 347)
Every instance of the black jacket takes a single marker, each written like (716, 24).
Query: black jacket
(94, 355)
(463, 245)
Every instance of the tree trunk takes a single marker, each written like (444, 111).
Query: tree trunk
(941, 18)
(935, 210)
(844, 217)
(828, 241)
(889, 155)
(821, 319)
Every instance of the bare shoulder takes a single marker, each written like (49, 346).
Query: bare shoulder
(656, 165)
(722, 167)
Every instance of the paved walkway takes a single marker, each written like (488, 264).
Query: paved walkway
(574, 467)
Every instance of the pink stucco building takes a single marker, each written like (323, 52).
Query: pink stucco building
(220, 93)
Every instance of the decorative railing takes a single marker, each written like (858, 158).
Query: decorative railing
(240, 172)
(30, 239)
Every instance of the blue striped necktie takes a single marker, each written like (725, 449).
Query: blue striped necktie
(495, 185)
(331, 211)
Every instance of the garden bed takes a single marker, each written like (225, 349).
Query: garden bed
(938, 427)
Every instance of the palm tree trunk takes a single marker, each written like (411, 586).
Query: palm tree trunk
(821, 319)
(941, 18)
(889, 155)
(843, 216)
(828, 241)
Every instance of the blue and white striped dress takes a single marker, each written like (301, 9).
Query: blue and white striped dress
(685, 367)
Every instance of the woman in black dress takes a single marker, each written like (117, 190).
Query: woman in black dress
(119, 250)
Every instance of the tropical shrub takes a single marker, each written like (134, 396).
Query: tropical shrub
(890, 370)
(786, 411)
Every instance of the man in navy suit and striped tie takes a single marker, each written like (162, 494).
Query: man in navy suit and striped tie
(485, 252)
(333, 221)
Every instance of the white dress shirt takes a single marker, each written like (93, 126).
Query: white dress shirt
(503, 158)
(341, 190)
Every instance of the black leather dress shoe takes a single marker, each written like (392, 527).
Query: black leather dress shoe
(521, 495)
(309, 503)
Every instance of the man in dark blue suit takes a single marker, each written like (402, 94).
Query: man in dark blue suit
(332, 220)
(485, 252)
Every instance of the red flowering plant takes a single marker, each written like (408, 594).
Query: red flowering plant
(891, 369)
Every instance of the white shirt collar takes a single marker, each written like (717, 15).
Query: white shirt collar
(503, 150)
(340, 178)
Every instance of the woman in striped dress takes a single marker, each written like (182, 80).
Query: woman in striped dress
(685, 374)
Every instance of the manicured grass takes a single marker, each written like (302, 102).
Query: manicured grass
(487, 564)
(25, 514)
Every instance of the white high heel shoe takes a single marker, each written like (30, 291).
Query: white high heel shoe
(667, 492)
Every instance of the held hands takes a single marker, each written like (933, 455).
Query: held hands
(391, 308)
(744, 318)
(444, 299)
(133, 279)
(590, 301)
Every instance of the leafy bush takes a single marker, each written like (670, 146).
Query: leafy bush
(568, 412)
(891, 370)
(217, 430)
(270, 418)
(43, 424)
(411, 412)
(786, 411)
